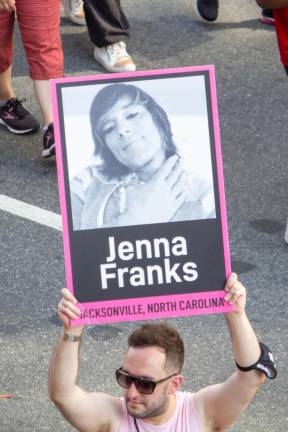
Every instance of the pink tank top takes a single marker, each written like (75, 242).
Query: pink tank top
(184, 418)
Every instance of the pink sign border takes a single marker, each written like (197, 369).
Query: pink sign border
(206, 296)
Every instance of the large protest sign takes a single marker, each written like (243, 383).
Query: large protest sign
(142, 193)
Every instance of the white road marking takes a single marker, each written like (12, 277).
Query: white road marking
(28, 211)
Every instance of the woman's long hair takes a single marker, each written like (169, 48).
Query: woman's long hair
(107, 99)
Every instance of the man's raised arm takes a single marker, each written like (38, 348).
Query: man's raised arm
(220, 405)
(85, 411)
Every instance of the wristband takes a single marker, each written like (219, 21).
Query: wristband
(265, 363)
(71, 338)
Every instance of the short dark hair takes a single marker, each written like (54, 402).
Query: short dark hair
(106, 99)
(164, 336)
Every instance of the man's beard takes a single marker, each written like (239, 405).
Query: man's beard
(154, 410)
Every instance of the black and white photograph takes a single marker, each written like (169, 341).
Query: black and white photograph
(138, 152)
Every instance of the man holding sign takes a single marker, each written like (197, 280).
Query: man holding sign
(151, 377)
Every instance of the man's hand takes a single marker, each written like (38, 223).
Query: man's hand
(67, 310)
(236, 294)
(7, 5)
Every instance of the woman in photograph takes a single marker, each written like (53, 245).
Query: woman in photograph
(140, 177)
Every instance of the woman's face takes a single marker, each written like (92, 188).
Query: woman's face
(131, 135)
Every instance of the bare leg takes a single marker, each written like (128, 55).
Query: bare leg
(42, 92)
(6, 90)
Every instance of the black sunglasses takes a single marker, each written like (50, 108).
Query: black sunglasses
(142, 385)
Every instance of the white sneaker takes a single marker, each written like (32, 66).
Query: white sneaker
(74, 11)
(286, 233)
(114, 58)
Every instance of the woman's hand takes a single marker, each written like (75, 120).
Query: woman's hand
(67, 310)
(7, 5)
(158, 199)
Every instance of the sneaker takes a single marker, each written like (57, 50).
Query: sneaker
(114, 58)
(267, 17)
(74, 11)
(207, 9)
(16, 118)
(48, 142)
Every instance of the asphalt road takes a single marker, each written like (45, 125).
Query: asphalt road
(252, 98)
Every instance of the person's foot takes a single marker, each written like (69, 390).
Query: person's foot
(16, 118)
(48, 142)
(114, 58)
(207, 9)
(74, 11)
(267, 17)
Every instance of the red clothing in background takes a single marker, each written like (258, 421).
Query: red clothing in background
(281, 24)
(39, 24)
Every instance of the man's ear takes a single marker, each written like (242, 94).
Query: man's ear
(175, 383)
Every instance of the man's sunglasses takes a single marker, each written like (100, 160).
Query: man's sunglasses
(142, 385)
